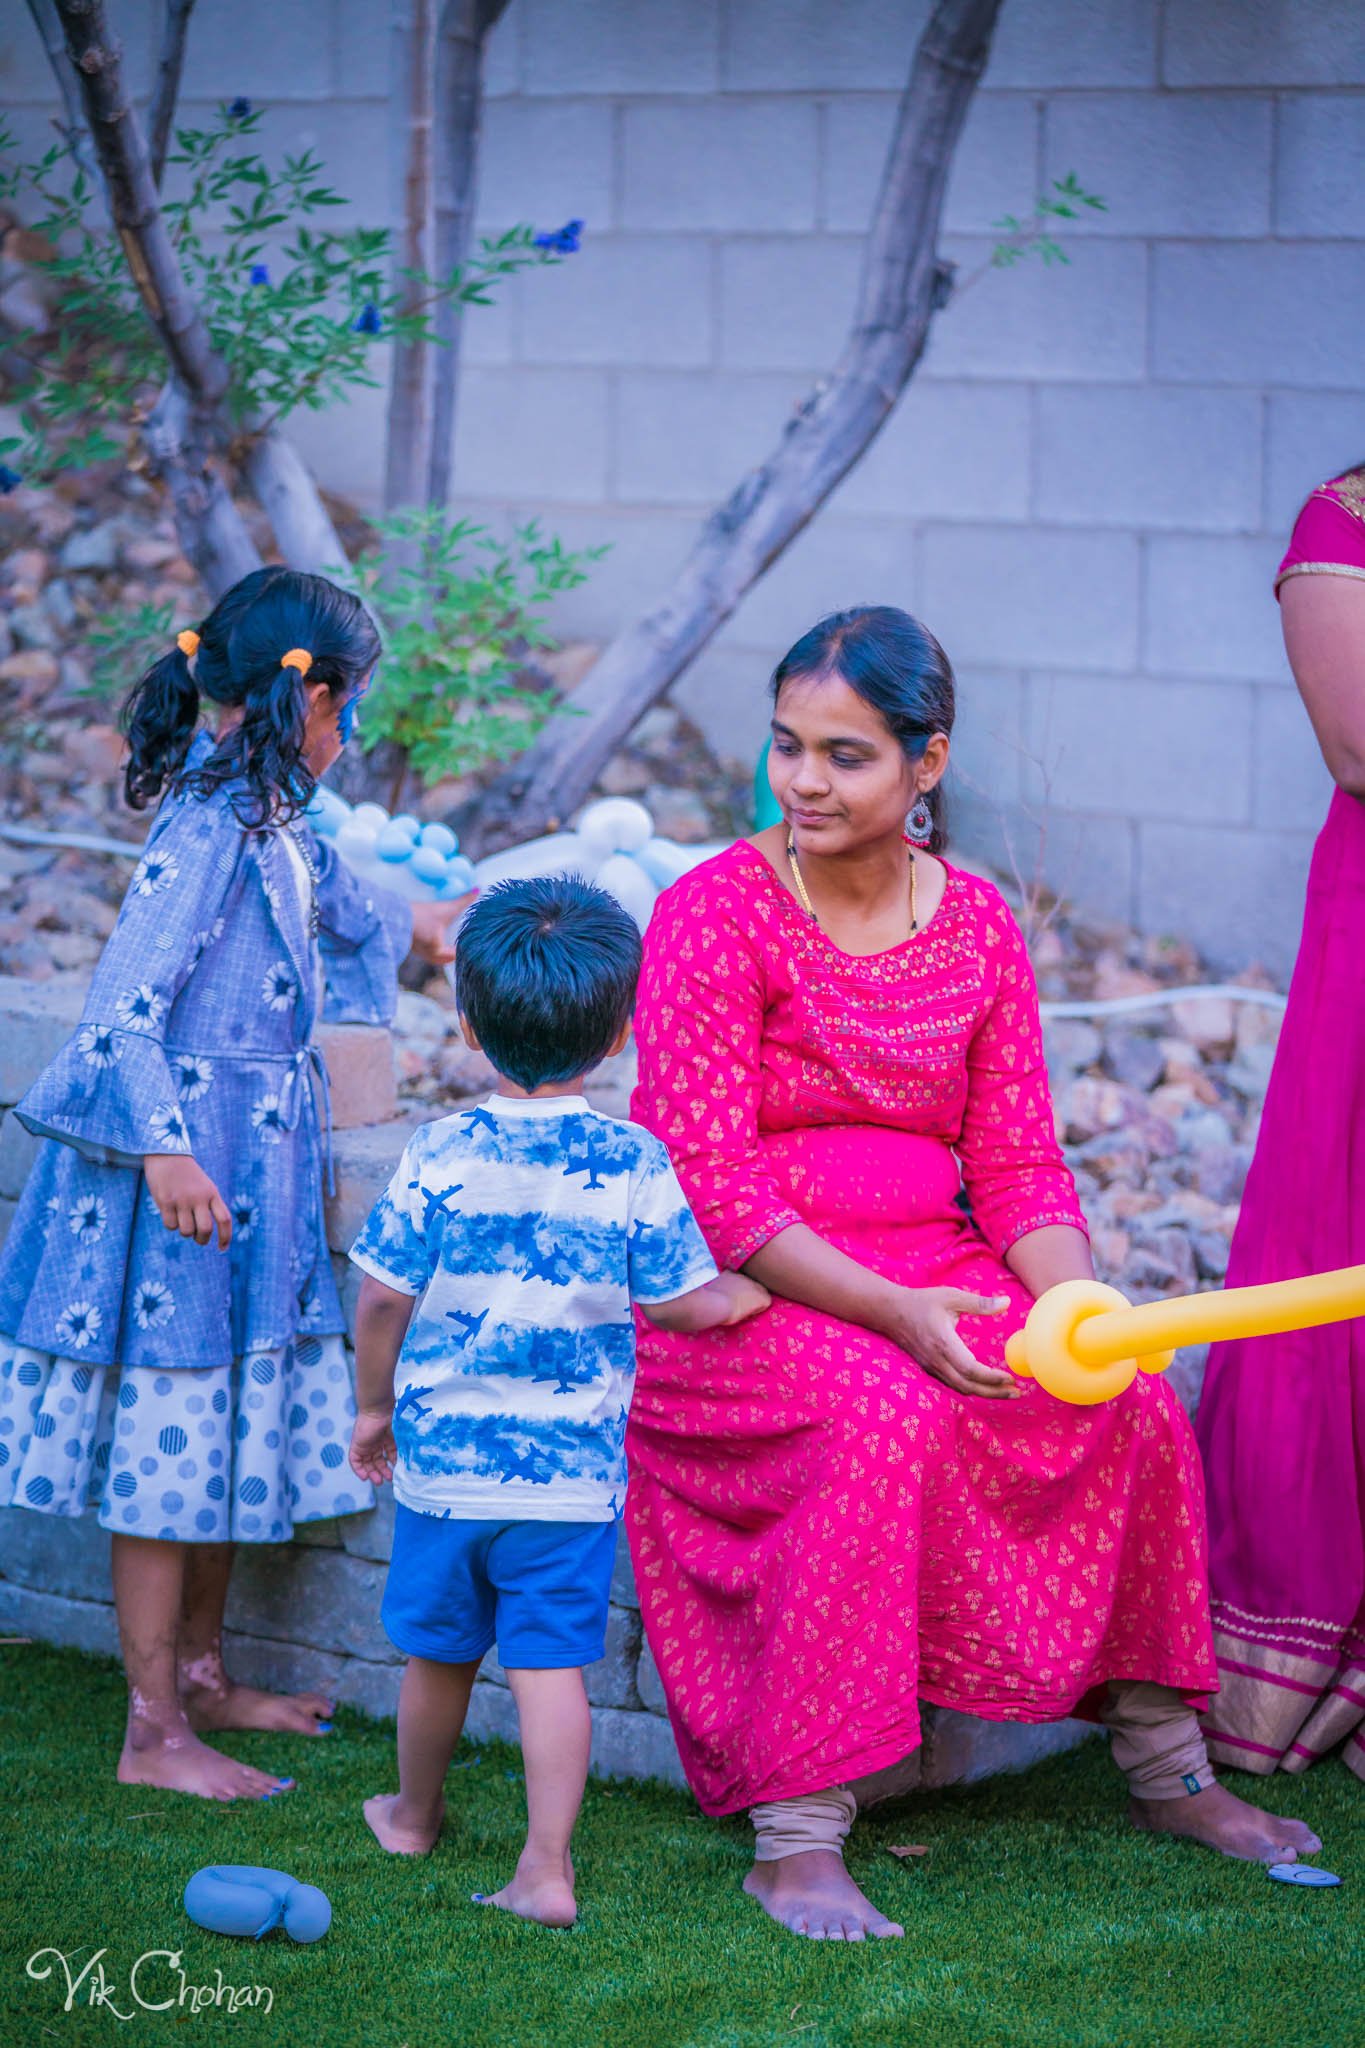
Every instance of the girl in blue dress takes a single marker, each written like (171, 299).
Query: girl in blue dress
(171, 1345)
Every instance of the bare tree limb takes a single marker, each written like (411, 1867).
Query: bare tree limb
(903, 285)
(462, 35)
(409, 420)
(168, 69)
(73, 130)
(284, 488)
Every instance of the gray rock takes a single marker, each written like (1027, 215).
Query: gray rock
(1134, 1059)
(1071, 1045)
(91, 548)
(623, 776)
(678, 814)
(31, 626)
(6, 637)
(59, 604)
(1210, 1254)
(657, 730)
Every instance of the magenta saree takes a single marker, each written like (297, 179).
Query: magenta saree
(822, 1533)
(1282, 1420)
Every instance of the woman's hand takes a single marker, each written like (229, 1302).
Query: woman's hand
(923, 1321)
(186, 1198)
(373, 1451)
(431, 923)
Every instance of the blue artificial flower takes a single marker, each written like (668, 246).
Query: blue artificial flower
(367, 320)
(239, 110)
(260, 273)
(10, 479)
(563, 241)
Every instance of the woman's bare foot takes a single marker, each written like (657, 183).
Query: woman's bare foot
(1222, 1821)
(400, 1832)
(160, 1748)
(812, 1894)
(539, 1891)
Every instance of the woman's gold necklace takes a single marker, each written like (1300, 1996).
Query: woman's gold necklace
(806, 903)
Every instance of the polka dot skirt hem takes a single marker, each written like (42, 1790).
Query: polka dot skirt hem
(234, 1453)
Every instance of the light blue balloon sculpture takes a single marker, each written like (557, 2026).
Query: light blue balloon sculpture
(242, 1899)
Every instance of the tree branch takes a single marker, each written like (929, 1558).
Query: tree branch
(903, 283)
(462, 35)
(173, 33)
(73, 133)
(406, 453)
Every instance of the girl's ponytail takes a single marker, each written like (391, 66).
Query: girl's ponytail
(158, 721)
(272, 739)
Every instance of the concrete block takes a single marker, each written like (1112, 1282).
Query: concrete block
(360, 1071)
(1078, 323)
(492, 1715)
(267, 53)
(88, 1625)
(36, 1019)
(990, 738)
(948, 451)
(623, 1589)
(1320, 166)
(1149, 456)
(323, 1599)
(323, 1535)
(1310, 436)
(1209, 607)
(649, 1683)
(283, 1667)
(1281, 313)
(622, 299)
(546, 161)
(809, 46)
(786, 305)
(621, 46)
(834, 563)
(1164, 164)
(1050, 43)
(1248, 906)
(370, 1535)
(719, 164)
(959, 1749)
(646, 548)
(537, 434)
(629, 1744)
(1292, 787)
(1001, 596)
(1271, 42)
(610, 1682)
(68, 1555)
(1087, 857)
(26, 76)
(724, 693)
(994, 171)
(1087, 753)
(364, 1160)
(686, 438)
(370, 1688)
(18, 1150)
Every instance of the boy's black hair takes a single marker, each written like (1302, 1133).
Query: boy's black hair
(545, 973)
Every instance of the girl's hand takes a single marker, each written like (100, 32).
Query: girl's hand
(923, 1321)
(186, 1198)
(743, 1297)
(430, 925)
(373, 1450)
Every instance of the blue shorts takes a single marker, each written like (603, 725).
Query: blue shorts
(538, 1589)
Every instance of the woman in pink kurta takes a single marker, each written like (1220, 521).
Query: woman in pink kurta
(846, 1505)
(1282, 1419)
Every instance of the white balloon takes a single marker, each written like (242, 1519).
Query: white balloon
(617, 824)
(559, 853)
(627, 881)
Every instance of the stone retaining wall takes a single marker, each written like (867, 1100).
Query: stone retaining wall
(306, 1613)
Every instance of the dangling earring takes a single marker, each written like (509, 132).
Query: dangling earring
(919, 824)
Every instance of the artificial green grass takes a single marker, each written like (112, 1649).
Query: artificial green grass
(1038, 1916)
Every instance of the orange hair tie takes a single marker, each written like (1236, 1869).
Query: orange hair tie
(188, 643)
(299, 658)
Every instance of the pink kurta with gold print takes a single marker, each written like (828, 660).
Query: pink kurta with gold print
(822, 1534)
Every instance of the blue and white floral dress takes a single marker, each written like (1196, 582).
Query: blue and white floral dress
(193, 1394)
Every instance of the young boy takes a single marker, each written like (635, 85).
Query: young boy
(501, 1265)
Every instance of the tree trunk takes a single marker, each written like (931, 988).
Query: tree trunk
(169, 65)
(409, 422)
(903, 285)
(53, 39)
(461, 39)
(283, 487)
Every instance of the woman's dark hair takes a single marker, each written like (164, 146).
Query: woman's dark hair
(239, 662)
(895, 665)
(545, 972)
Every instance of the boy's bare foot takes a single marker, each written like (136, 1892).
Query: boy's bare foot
(164, 1750)
(539, 1891)
(1222, 1821)
(812, 1894)
(400, 1832)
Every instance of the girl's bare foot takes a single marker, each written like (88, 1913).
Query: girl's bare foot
(160, 1748)
(812, 1894)
(396, 1829)
(540, 1891)
(1222, 1821)
(214, 1700)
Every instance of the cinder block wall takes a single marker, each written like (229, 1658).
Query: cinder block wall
(306, 1613)
(1088, 485)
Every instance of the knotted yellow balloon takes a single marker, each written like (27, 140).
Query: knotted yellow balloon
(1084, 1343)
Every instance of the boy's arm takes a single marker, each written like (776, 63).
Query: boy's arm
(729, 1298)
(381, 1323)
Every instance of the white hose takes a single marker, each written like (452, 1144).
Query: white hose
(83, 842)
